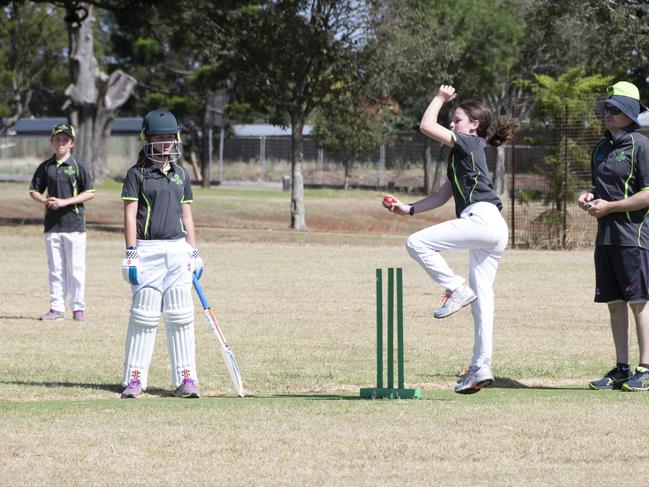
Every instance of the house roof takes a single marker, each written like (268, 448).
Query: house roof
(133, 125)
(266, 130)
(43, 126)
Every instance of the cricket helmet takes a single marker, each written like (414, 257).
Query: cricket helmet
(159, 122)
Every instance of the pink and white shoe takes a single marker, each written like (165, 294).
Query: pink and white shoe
(52, 315)
(133, 389)
(454, 301)
(188, 389)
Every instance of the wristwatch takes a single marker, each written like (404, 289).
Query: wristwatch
(412, 210)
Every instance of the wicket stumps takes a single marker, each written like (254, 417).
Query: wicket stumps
(389, 392)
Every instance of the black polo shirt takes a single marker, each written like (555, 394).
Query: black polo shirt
(64, 179)
(160, 198)
(467, 171)
(620, 169)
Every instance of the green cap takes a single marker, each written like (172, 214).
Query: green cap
(64, 128)
(624, 88)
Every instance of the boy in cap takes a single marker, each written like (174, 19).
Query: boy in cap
(620, 202)
(68, 185)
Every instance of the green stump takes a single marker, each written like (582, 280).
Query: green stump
(389, 392)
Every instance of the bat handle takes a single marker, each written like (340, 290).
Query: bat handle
(199, 291)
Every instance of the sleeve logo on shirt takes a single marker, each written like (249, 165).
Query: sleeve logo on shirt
(620, 157)
(176, 179)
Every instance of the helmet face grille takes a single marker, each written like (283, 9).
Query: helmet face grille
(163, 151)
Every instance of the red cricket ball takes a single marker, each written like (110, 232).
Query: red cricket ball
(389, 200)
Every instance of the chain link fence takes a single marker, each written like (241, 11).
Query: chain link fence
(543, 172)
(541, 175)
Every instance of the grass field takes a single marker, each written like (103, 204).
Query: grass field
(298, 309)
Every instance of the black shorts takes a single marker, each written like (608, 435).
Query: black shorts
(621, 274)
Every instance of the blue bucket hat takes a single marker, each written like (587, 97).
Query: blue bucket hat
(626, 97)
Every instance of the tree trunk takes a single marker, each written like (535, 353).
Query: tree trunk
(439, 168)
(428, 166)
(348, 173)
(20, 104)
(193, 161)
(93, 96)
(205, 146)
(499, 172)
(297, 180)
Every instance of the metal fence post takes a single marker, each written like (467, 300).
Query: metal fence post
(382, 166)
(513, 189)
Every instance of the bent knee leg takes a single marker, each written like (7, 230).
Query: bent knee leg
(415, 246)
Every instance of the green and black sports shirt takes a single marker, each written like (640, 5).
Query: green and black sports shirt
(64, 179)
(620, 169)
(467, 171)
(160, 198)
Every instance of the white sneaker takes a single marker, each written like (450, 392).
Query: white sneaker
(453, 301)
(475, 379)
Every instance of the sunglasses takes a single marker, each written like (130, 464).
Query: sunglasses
(612, 110)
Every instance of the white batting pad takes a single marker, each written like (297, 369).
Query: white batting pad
(178, 309)
(140, 337)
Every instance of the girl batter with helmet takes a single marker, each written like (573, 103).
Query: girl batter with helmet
(479, 226)
(160, 258)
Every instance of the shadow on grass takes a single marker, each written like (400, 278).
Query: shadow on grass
(115, 227)
(19, 317)
(314, 396)
(116, 388)
(340, 397)
(507, 383)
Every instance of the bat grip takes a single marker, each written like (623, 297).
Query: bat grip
(199, 291)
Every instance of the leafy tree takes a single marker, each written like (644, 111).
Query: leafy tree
(407, 60)
(472, 44)
(605, 36)
(302, 53)
(32, 61)
(178, 50)
(564, 103)
(346, 130)
(93, 96)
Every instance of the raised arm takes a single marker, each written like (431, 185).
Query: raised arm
(429, 125)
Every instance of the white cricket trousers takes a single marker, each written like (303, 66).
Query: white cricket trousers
(66, 261)
(483, 231)
(165, 278)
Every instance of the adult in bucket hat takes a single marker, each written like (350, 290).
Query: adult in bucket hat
(619, 200)
(625, 97)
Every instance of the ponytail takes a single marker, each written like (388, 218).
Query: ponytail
(507, 126)
(477, 110)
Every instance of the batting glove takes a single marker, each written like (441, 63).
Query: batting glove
(197, 264)
(130, 266)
